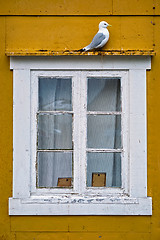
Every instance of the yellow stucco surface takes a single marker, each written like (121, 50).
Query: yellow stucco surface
(26, 25)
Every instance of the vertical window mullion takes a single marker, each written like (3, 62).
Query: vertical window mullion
(83, 129)
(76, 130)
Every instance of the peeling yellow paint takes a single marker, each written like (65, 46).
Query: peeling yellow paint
(89, 53)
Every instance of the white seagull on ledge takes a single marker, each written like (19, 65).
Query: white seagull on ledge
(100, 39)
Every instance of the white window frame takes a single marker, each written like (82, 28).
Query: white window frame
(132, 198)
(79, 101)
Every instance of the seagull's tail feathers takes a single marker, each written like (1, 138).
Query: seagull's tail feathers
(87, 48)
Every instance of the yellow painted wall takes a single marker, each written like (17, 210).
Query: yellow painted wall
(30, 25)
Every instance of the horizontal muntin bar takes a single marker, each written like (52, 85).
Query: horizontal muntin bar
(88, 150)
(54, 112)
(103, 113)
(88, 112)
(104, 150)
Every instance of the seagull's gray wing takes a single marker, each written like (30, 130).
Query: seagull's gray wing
(98, 38)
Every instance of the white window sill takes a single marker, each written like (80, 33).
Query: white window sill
(81, 206)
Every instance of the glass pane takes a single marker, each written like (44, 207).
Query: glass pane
(55, 94)
(103, 94)
(104, 131)
(55, 131)
(54, 169)
(104, 170)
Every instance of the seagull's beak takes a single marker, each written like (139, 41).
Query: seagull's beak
(109, 25)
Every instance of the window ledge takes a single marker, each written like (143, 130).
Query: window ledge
(81, 206)
(42, 52)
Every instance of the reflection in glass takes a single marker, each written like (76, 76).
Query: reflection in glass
(106, 163)
(55, 94)
(55, 131)
(53, 166)
(104, 94)
(104, 131)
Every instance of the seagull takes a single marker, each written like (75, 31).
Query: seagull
(100, 39)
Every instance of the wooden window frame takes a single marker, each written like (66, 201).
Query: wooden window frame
(132, 198)
(79, 83)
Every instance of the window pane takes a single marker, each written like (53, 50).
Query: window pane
(104, 131)
(55, 94)
(104, 170)
(54, 169)
(103, 94)
(55, 131)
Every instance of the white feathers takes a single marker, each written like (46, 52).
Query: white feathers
(100, 39)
